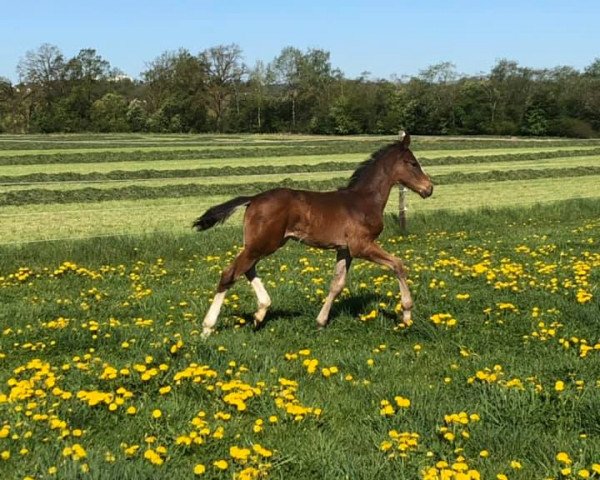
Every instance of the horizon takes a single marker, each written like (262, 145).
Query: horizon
(543, 35)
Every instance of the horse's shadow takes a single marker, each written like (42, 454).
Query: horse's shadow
(352, 306)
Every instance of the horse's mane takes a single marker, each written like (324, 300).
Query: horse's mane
(365, 167)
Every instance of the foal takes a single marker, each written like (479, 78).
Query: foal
(348, 220)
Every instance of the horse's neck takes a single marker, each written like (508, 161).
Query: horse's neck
(377, 190)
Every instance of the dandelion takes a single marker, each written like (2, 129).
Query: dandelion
(221, 464)
(239, 454)
(563, 457)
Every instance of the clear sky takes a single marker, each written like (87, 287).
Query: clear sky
(383, 37)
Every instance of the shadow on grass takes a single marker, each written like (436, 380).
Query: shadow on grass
(352, 306)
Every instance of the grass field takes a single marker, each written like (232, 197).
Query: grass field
(104, 373)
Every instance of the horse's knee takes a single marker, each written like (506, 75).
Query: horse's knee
(227, 280)
(400, 269)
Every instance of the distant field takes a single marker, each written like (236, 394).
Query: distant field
(63, 186)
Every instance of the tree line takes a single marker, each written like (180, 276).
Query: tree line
(298, 92)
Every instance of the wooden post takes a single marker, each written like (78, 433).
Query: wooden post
(402, 210)
(402, 207)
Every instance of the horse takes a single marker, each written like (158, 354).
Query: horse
(347, 220)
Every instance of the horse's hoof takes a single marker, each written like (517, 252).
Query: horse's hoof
(259, 322)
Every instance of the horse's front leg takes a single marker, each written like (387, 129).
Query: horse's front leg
(376, 254)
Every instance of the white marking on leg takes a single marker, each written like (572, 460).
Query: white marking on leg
(263, 300)
(337, 284)
(407, 302)
(213, 313)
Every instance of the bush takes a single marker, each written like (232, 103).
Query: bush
(573, 127)
(505, 127)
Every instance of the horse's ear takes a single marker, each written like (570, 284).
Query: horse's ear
(404, 139)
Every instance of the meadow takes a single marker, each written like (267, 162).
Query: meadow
(103, 289)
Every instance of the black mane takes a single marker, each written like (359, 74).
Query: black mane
(365, 167)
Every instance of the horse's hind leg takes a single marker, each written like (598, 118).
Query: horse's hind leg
(243, 262)
(337, 284)
(262, 297)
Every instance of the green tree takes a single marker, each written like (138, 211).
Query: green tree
(86, 78)
(175, 84)
(109, 114)
(137, 117)
(257, 86)
(42, 73)
(225, 70)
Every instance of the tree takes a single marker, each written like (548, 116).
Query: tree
(225, 70)
(109, 114)
(176, 85)
(44, 66)
(284, 72)
(304, 81)
(593, 69)
(439, 91)
(257, 83)
(86, 78)
(137, 117)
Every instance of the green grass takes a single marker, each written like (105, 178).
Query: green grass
(423, 363)
(64, 221)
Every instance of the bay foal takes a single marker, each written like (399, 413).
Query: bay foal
(348, 220)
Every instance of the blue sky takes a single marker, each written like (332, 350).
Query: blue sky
(379, 36)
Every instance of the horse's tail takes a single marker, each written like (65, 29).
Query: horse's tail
(220, 213)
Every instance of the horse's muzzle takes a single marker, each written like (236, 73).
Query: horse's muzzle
(426, 192)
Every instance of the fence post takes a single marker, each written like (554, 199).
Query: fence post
(402, 210)
(402, 198)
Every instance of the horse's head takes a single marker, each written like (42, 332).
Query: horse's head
(407, 170)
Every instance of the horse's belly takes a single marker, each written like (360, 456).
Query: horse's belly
(318, 237)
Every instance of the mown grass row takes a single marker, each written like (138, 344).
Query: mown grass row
(228, 170)
(73, 140)
(76, 153)
(91, 194)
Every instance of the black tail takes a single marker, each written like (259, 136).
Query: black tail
(219, 213)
